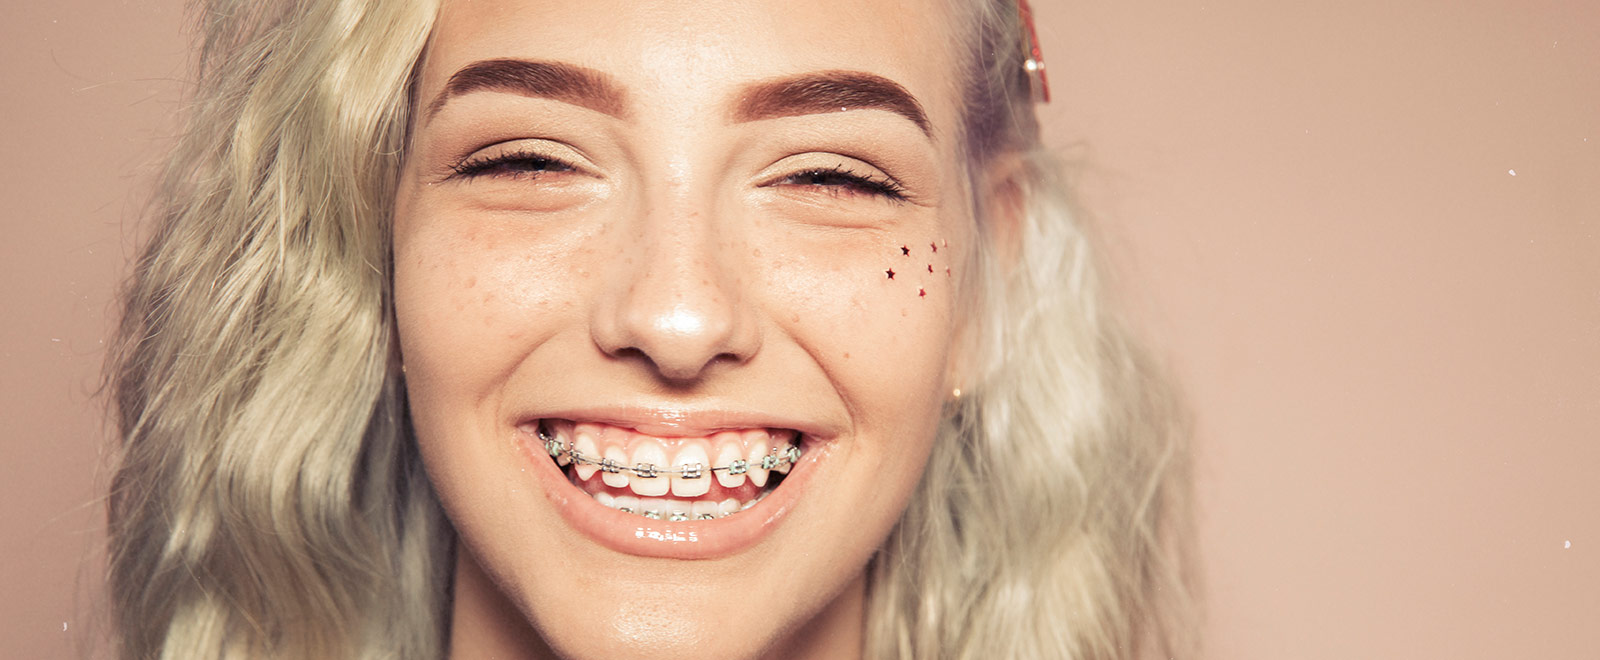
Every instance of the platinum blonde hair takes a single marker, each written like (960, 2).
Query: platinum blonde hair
(270, 502)
(1053, 518)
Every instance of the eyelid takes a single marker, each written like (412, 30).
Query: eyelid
(543, 148)
(799, 163)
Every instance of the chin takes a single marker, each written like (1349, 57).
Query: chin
(719, 535)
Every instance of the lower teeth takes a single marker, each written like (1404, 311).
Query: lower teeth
(675, 510)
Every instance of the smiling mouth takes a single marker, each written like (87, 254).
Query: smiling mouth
(672, 479)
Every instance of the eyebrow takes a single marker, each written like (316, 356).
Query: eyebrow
(810, 93)
(828, 91)
(577, 85)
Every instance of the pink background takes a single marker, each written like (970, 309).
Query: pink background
(1367, 235)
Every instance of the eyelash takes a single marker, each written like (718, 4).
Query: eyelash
(538, 164)
(532, 164)
(881, 186)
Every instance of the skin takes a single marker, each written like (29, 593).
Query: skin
(678, 262)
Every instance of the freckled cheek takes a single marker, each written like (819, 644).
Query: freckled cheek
(882, 343)
(468, 303)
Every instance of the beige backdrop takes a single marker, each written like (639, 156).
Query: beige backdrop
(1367, 234)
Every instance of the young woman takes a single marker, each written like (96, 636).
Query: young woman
(630, 329)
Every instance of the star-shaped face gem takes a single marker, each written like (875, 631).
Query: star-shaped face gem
(890, 272)
(905, 250)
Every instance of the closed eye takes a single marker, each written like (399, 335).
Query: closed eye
(840, 180)
(518, 164)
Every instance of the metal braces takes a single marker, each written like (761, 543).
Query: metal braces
(675, 516)
(780, 456)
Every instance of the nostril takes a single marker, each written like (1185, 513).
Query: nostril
(680, 313)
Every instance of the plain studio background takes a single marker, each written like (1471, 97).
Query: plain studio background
(1366, 234)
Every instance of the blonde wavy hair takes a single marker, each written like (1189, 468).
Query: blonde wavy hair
(269, 501)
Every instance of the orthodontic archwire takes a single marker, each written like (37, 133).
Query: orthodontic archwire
(779, 456)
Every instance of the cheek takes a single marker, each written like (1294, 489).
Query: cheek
(470, 298)
(878, 316)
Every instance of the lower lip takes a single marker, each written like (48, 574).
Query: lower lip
(636, 535)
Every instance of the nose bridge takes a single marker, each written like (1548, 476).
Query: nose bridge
(676, 297)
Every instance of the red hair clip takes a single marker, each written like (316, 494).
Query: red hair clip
(1032, 57)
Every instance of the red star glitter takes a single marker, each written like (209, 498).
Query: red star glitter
(905, 250)
(890, 272)
(935, 247)
(930, 268)
(947, 271)
(922, 293)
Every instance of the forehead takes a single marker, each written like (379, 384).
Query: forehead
(676, 55)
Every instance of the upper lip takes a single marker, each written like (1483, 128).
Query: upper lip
(683, 420)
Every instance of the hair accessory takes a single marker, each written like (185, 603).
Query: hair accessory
(1032, 57)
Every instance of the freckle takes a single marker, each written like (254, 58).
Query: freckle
(705, 283)
(890, 272)
(472, 281)
(756, 253)
(847, 355)
(795, 318)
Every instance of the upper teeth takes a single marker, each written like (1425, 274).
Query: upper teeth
(780, 459)
(625, 460)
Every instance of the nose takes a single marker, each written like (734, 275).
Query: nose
(674, 296)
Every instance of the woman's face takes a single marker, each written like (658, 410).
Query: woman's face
(687, 235)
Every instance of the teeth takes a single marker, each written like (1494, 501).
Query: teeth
(613, 475)
(687, 481)
(553, 445)
(726, 455)
(585, 447)
(702, 508)
(639, 466)
(674, 510)
(648, 458)
(757, 451)
(790, 455)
